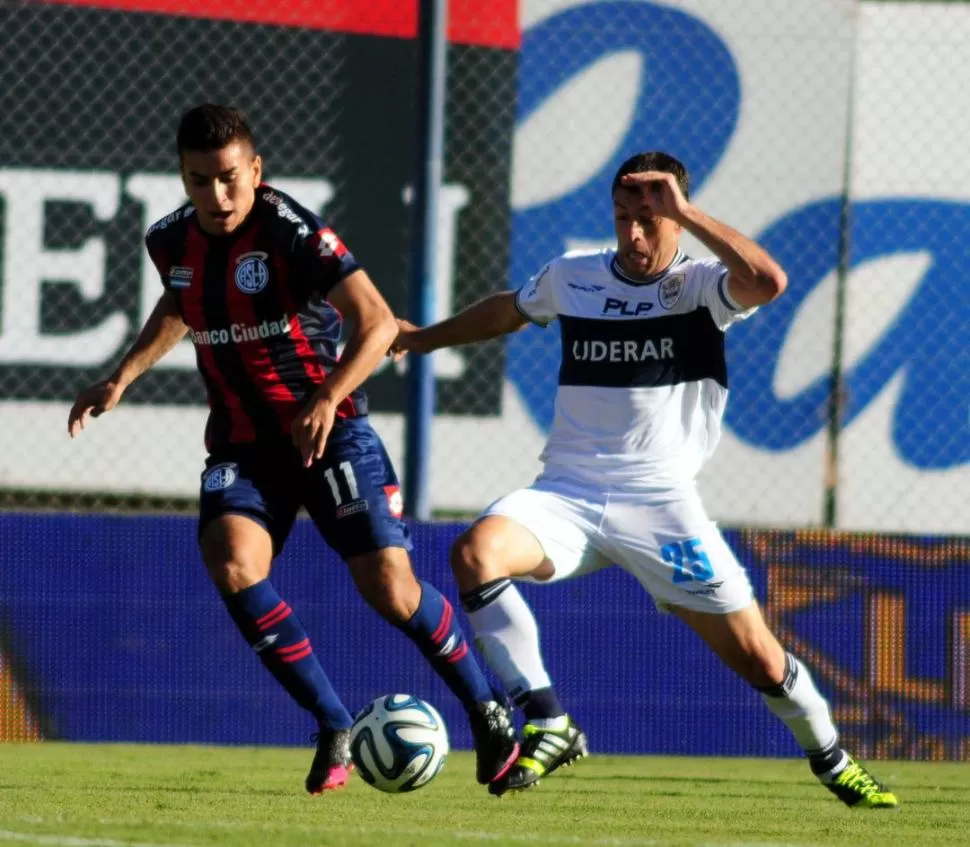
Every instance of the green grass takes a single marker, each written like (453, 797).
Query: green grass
(73, 795)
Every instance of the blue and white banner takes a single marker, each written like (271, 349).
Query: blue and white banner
(816, 128)
(832, 131)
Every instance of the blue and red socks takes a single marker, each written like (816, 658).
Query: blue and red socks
(435, 629)
(269, 626)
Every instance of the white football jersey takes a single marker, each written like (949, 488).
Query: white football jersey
(643, 379)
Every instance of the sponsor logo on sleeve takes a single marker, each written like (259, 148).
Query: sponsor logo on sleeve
(329, 244)
(395, 502)
(180, 276)
(170, 219)
(534, 287)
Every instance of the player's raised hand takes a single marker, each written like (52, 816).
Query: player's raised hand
(660, 191)
(311, 428)
(93, 401)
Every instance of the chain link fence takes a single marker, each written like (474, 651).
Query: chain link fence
(87, 162)
(829, 129)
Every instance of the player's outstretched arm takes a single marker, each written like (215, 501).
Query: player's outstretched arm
(490, 317)
(754, 277)
(161, 332)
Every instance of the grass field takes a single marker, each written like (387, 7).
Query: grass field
(71, 795)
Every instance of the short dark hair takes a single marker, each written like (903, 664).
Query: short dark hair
(211, 127)
(655, 160)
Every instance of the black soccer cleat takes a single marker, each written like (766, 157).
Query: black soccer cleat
(332, 764)
(495, 744)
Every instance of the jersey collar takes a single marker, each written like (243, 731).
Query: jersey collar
(617, 271)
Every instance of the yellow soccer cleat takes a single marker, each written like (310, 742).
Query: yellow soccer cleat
(858, 788)
(543, 750)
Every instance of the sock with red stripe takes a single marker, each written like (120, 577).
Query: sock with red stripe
(267, 622)
(434, 628)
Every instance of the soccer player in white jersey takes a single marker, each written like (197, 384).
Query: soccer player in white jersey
(642, 389)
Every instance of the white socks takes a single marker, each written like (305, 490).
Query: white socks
(507, 634)
(800, 706)
(508, 637)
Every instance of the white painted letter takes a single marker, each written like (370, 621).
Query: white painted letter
(27, 266)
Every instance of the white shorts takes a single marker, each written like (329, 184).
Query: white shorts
(664, 539)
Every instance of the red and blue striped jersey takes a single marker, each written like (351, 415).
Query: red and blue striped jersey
(255, 305)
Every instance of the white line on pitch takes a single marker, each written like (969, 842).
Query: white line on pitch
(72, 840)
(521, 837)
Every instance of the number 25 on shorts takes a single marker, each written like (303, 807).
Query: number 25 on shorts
(689, 560)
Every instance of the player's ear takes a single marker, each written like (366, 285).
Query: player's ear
(257, 169)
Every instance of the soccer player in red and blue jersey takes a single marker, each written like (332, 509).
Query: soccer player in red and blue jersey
(261, 286)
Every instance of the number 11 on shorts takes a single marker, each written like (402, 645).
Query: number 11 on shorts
(689, 560)
(348, 473)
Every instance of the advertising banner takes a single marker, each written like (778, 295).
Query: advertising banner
(111, 631)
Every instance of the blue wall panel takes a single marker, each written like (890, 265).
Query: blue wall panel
(115, 634)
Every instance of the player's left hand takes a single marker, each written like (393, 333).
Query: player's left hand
(311, 428)
(661, 193)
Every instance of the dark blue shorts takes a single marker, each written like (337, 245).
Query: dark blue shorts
(352, 494)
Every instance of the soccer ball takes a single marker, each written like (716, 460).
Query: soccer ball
(398, 743)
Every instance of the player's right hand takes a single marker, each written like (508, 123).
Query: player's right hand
(660, 192)
(93, 401)
(408, 341)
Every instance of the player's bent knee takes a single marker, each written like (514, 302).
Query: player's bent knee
(494, 548)
(237, 552)
(475, 557)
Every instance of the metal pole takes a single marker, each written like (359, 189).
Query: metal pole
(837, 392)
(432, 43)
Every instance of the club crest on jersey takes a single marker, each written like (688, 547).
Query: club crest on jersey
(252, 273)
(670, 290)
(219, 477)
